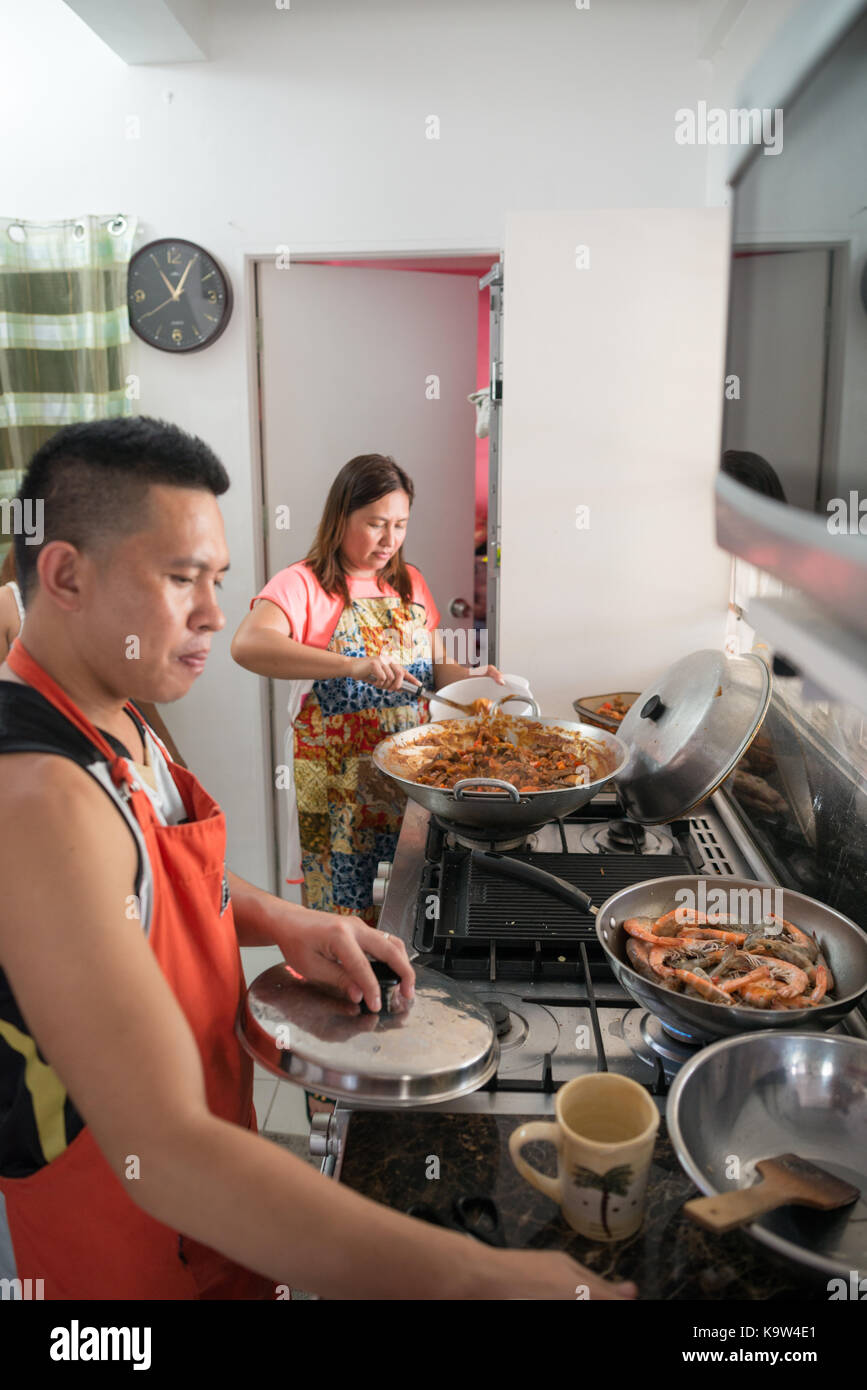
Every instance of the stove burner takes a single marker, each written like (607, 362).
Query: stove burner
(627, 833)
(667, 1042)
(476, 837)
(616, 837)
(530, 1032)
(501, 1016)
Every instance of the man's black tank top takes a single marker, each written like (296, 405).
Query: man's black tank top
(37, 1117)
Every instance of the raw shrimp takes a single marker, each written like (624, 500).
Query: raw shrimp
(753, 970)
(703, 986)
(800, 938)
(734, 938)
(740, 982)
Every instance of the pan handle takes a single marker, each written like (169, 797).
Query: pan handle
(535, 711)
(514, 794)
(537, 878)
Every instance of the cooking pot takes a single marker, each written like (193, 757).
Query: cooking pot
(491, 804)
(679, 741)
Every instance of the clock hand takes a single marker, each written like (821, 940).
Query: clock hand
(159, 306)
(166, 281)
(184, 276)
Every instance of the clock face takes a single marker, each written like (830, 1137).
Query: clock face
(179, 299)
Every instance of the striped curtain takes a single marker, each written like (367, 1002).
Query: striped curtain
(64, 334)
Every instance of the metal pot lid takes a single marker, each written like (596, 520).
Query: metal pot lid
(442, 1045)
(686, 732)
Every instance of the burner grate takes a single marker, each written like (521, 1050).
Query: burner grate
(477, 904)
(714, 857)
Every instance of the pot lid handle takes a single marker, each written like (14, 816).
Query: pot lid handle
(653, 708)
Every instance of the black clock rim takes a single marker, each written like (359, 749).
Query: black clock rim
(227, 289)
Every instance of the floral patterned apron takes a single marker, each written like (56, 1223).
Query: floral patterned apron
(348, 813)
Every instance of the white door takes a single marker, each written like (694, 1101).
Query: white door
(777, 349)
(369, 361)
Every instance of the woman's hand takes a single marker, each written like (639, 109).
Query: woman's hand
(382, 671)
(487, 671)
(327, 948)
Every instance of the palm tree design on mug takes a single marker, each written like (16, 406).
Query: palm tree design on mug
(615, 1181)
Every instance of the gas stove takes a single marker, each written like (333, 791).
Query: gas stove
(535, 961)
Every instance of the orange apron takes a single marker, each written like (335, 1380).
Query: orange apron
(72, 1223)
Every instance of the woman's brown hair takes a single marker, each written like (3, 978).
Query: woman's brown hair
(7, 569)
(360, 482)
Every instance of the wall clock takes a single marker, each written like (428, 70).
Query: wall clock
(179, 298)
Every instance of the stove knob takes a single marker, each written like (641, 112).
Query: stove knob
(380, 883)
(323, 1139)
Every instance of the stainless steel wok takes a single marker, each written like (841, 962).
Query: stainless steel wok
(680, 739)
(491, 804)
(843, 944)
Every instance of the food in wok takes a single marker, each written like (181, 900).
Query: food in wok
(534, 757)
(481, 706)
(773, 965)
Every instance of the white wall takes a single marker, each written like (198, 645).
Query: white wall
(627, 351)
(307, 127)
(735, 33)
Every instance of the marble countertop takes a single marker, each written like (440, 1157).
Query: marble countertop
(389, 1154)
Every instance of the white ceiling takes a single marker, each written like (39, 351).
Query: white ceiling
(150, 31)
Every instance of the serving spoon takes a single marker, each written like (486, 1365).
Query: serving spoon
(465, 709)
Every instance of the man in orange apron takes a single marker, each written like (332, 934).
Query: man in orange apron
(129, 1159)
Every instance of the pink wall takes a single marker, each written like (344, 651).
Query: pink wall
(483, 371)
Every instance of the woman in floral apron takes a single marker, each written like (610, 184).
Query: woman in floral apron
(354, 619)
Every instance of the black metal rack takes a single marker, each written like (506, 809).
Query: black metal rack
(480, 928)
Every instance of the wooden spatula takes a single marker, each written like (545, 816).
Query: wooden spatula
(787, 1181)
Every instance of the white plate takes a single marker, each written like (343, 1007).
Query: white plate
(482, 688)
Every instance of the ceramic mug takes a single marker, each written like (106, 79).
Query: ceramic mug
(604, 1135)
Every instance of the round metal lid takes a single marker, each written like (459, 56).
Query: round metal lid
(686, 732)
(441, 1045)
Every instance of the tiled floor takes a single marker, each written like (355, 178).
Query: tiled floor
(280, 1105)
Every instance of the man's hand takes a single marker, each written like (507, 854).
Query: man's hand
(329, 949)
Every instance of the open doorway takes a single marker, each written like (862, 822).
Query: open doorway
(375, 355)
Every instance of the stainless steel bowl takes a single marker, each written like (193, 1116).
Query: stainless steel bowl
(502, 810)
(764, 1094)
(843, 943)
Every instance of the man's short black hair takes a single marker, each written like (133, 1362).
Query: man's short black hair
(92, 480)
